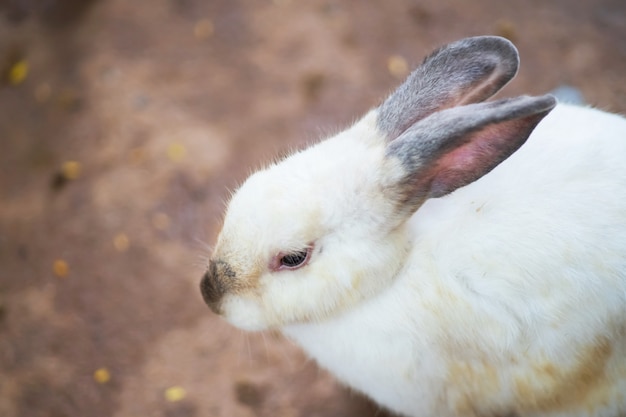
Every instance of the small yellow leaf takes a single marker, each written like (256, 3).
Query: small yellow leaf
(506, 29)
(102, 375)
(60, 268)
(160, 221)
(397, 66)
(121, 242)
(174, 394)
(18, 72)
(203, 29)
(71, 170)
(176, 152)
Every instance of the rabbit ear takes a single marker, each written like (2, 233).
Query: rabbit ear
(454, 147)
(463, 72)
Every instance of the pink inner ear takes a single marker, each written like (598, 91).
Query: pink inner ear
(460, 157)
(483, 151)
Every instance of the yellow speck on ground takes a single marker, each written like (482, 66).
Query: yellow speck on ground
(71, 170)
(174, 394)
(18, 72)
(60, 268)
(397, 66)
(176, 152)
(203, 29)
(121, 242)
(506, 29)
(102, 375)
(160, 221)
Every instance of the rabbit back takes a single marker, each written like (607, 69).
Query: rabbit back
(513, 298)
(538, 248)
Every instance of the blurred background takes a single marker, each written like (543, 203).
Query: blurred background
(124, 124)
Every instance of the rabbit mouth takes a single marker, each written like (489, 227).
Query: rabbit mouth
(226, 296)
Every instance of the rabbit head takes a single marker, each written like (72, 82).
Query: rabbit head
(323, 230)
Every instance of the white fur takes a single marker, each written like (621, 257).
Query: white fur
(506, 297)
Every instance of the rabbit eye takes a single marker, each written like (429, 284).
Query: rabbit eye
(291, 260)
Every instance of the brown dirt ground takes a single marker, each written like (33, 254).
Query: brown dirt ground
(165, 105)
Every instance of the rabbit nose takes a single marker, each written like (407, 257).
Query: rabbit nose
(212, 287)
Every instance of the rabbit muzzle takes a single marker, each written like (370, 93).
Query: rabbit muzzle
(215, 283)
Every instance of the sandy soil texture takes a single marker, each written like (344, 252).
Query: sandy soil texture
(123, 125)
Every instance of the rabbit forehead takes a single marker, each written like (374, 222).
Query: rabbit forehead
(271, 206)
(306, 194)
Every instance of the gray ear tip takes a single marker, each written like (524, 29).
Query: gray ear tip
(546, 102)
(505, 47)
(525, 105)
(498, 43)
(505, 51)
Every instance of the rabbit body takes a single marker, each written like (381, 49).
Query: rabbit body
(444, 255)
(512, 299)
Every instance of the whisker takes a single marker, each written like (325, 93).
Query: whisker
(203, 245)
(249, 348)
(198, 264)
(242, 336)
(203, 257)
(225, 199)
(267, 351)
(288, 355)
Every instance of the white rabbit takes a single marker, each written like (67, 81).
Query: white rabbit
(434, 259)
